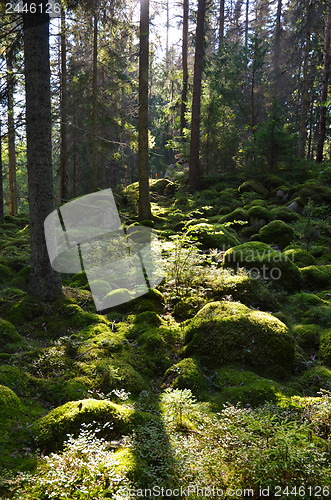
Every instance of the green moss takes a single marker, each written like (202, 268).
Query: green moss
(254, 203)
(234, 334)
(51, 430)
(325, 347)
(245, 387)
(5, 273)
(130, 464)
(10, 407)
(150, 318)
(119, 296)
(213, 235)
(100, 287)
(299, 256)
(237, 214)
(270, 264)
(284, 214)
(186, 374)
(307, 336)
(130, 379)
(8, 333)
(312, 381)
(277, 232)
(316, 277)
(185, 309)
(27, 309)
(152, 341)
(80, 280)
(258, 212)
(318, 193)
(253, 185)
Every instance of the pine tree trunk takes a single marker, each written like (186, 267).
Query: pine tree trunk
(44, 281)
(221, 25)
(184, 66)
(325, 85)
(1, 181)
(95, 101)
(246, 24)
(305, 101)
(276, 54)
(194, 168)
(143, 147)
(63, 110)
(11, 135)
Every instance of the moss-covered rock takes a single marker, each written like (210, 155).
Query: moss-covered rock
(225, 334)
(312, 380)
(228, 199)
(325, 347)
(258, 202)
(299, 256)
(8, 333)
(277, 232)
(317, 192)
(213, 235)
(260, 260)
(51, 430)
(130, 464)
(316, 277)
(27, 309)
(237, 214)
(10, 407)
(259, 212)
(118, 297)
(186, 374)
(307, 336)
(284, 214)
(253, 185)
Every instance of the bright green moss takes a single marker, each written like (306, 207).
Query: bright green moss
(10, 407)
(151, 341)
(148, 318)
(27, 309)
(258, 212)
(311, 381)
(100, 287)
(318, 193)
(325, 347)
(186, 374)
(237, 214)
(132, 466)
(316, 277)
(80, 280)
(299, 256)
(277, 232)
(8, 333)
(284, 214)
(234, 334)
(254, 203)
(185, 309)
(253, 185)
(307, 336)
(119, 296)
(261, 260)
(213, 235)
(51, 430)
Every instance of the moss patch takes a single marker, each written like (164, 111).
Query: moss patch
(299, 256)
(325, 347)
(213, 235)
(186, 374)
(8, 333)
(277, 232)
(10, 407)
(316, 277)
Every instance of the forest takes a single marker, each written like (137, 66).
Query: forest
(165, 249)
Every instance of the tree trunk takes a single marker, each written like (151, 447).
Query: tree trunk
(63, 110)
(221, 25)
(246, 24)
(1, 182)
(184, 66)
(325, 85)
(44, 281)
(194, 169)
(143, 146)
(167, 40)
(95, 101)
(305, 101)
(11, 135)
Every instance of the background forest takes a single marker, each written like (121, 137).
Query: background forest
(210, 121)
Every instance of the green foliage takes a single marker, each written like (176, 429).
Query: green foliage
(325, 347)
(180, 407)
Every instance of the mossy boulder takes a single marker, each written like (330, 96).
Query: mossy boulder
(259, 212)
(186, 374)
(307, 336)
(232, 334)
(10, 407)
(284, 214)
(27, 309)
(311, 381)
(228, 200)
(317, 192)
(213, 235)
(8, 333)
(253, 185)
(236, 215)
(148, 318)
(277, 232)
(51, 431)
(325, 347)
(260, 260)
(299, 256)
(316, 277)
(258, 202)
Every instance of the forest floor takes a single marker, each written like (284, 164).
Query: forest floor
(218, 379)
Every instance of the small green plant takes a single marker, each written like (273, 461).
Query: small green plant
(181, 406)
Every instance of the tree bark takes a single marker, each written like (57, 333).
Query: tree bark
(277, 44)
(95, 100)
(194, 168)
(305, 101)
(63, 110)
(221, 25)
(246, 24)
(44, 281)
(184, 66)
(325, 85)
(143, 146)
(1, 181)
(11, 135)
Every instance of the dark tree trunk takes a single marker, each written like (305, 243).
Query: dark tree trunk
(63, 106)
(184, 66)
(305, 100)
(44, 281)
(1, 181)
(276, 54)
(194, 169)
(246, 24)
(325, 85)
(11, 135)
(143, 147)
(95, 101)
(221, 25)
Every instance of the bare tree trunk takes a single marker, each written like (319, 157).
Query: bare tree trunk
(11, 135)
(1, 181)
(95, 101)
(75, 180)
(63, 110)
(184, 65)
(305, 102)
(143, 146)
(221, 25)
(325, 85)
(44, 281)
(194, 168)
